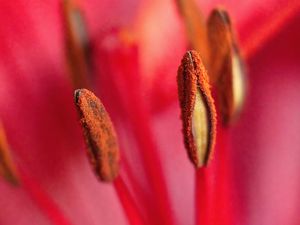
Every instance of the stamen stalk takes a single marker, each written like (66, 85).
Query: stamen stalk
(205, 194)
(141, 128)
(224, 207)
(125, 77)
(45, 203)
(130, 208)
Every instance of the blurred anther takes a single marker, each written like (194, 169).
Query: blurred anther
(7, 167)
(77, 45)
(225, 65)
(195, 27)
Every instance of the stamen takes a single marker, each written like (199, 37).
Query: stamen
(103, 149)
(77, 45)
(226, 65)
(100, 136)
(195, 27)
(7, 167)
(198, 112)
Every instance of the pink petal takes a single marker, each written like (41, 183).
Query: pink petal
(266, 140)
(13, 198)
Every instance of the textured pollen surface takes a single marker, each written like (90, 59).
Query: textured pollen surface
(99, 134)
(192, 77)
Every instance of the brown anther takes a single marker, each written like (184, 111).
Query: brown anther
(198, 112)
(77, 45)
(100, 136)
(195, 27)
(7, 167)
(226, 66)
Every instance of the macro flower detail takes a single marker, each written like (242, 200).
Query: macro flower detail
(122, 153)
(198, 112)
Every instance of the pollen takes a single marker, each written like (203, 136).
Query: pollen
(198, 111)
(100, 135)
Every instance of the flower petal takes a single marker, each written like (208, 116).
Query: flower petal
(266, 140)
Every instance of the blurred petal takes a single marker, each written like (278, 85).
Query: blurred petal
(266, 143)
(18, 208)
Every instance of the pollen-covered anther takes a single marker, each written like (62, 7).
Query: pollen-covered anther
(198, 112)
(226, 65)
(100, 136)
(7, 167)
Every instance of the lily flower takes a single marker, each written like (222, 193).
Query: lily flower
(128, 54)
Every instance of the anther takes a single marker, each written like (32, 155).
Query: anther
(195, 27)
(77, 45)
(198, 112)
(100, 136)
(226, 66)
(7, 167)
